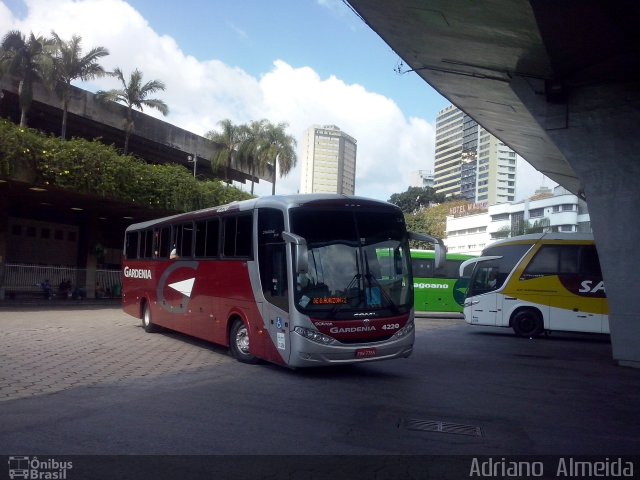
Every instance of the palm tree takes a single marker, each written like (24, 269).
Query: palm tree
(229, 141)
(281, 153)
(69, 64)
(133, 94)
(253, 146)
(26, 59)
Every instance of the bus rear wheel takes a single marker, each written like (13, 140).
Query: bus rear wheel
(239, 343)
(147, 324)
(527, 323)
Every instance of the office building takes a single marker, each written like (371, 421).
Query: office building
(470, 162)
(328, 161)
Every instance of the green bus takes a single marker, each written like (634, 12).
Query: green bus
(438, 291)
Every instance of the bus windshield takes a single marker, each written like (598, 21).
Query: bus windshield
(357, 261)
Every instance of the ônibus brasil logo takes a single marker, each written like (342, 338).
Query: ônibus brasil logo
(35, 468)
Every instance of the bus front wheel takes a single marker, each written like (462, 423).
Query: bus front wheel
(147, 324)
(527, 323)
(239, 343)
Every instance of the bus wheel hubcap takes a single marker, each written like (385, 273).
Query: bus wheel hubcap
(242, 340)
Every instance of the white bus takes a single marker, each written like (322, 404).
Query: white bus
(538, 283)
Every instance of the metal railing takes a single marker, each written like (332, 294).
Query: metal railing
(30, 278)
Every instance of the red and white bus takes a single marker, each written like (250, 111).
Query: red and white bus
(301, 280)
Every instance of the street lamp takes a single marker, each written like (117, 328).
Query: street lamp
(193, 159)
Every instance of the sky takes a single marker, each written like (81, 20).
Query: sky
(303, 62)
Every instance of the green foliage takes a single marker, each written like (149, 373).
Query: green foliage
(416, 198)
(97, 169)
(431, 221)
(19, 148)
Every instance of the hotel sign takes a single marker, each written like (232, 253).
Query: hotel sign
(469, 209)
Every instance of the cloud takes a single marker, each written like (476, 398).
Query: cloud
(201, 92)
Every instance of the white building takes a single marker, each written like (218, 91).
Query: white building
(328, 161)
(422, 179)
(559, 211)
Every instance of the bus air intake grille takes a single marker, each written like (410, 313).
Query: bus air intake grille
(442, 427)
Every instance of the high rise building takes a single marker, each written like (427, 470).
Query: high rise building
(470, 162)
(328, 161)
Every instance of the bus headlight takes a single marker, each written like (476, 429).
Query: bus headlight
(404, 331)
(313, 335)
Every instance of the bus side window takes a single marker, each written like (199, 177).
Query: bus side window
(422, 268)
(207, 238)
(183, 240)
(165, 242)
(553, 260)
(238, 236)
(569, 259)
(450, 269)
(146, 244)
(201, 239)
(589, 262)
(545, 262)
(131, 246)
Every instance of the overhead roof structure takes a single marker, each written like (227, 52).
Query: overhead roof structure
(486, 56)
(153, 140)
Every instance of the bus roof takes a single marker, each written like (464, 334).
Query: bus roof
(274, 201)
(534, 237)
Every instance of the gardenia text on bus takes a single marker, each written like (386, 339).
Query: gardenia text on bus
(137, 273)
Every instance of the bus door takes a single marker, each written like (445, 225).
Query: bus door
(274, 280)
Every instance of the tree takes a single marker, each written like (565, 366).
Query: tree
(416, 198)
(27, 60)
(280, 153)
(229, 142)
(68, 65)
(433, 220)
(133, 94)
(252, 147)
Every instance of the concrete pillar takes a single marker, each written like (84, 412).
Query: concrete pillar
(600, 138)
(87, 258)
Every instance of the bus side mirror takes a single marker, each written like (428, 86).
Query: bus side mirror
(300, 251)
(439, 247)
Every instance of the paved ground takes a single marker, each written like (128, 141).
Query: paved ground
(46, 352)
(91, 381)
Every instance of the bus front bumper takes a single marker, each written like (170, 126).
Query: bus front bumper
(312, 354)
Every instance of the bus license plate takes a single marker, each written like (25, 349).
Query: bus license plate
(366, 353)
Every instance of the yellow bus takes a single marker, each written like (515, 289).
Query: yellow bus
(538, 283)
